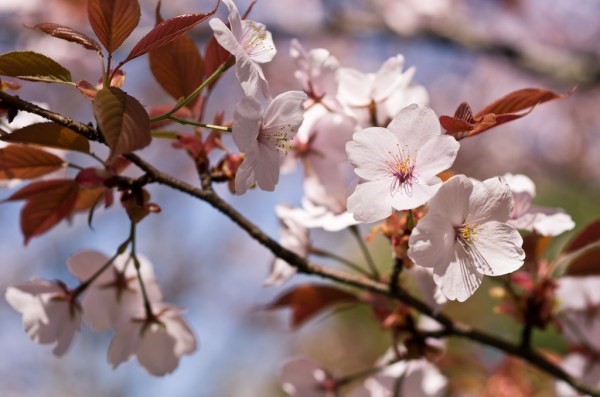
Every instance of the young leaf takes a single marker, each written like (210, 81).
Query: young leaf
(87, 89)
(179, 67)
(589, 235)
(123, 121)
(583, 251)
(24, 162)
(165, 32)
(50, 135)
(465, 124)
(29, 65)
(308, 300)
(69, 34)
(113, 20)
(47, 203)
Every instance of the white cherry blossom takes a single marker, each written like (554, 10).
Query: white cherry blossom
(49, 314)
(157, 343)
(398, 164)
(293, 237)
(264, 137)
(251, 44)
(464, 236)
(115, 295)
(525, 216)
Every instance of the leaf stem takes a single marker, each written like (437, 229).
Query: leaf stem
(136, 262)
(342, 260)
(365, 250)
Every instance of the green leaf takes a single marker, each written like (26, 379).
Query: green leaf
(23, 162)
(113, 20)
(50, 135)
(68, 34)
(123, 121)
(29, 65)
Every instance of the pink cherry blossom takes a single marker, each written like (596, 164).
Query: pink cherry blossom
(158, 343)
(398, 164)
(115, 295)
(464, 236)
(49, 314)
(317, 70)
(585, 367)
(525, 216)
(293, 237)
(376, 98)
(251, 44)
(264, 137)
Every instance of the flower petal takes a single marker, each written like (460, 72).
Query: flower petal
(491, 200)
(369, 152)
(435, 156)
(247, 120)
(371, 201)
(414, 126)
(460, 278)
(500, 248)
(432, 241)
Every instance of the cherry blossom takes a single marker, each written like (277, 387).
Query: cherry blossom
(415, 378)
(303, 377)
(264, 137)
(542, 220)
(585, 367)
(251, 44)
(157, 342)
(398, 164)
(115, 295)
(376, 98)
(293, 237)
(317, 72)
(579, 315)
(49, 314)
(464, 236)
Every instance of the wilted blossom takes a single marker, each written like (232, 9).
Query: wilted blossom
(294, 237)
(157, 342)
(525, 216)
(464, 236)
(376, 98)
(398, 164)
(251, 44)
(115, 295)
(264, 137)
(50, 316)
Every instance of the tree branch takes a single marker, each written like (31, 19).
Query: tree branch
(207, 194)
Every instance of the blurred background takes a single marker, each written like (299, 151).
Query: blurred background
(463, 50)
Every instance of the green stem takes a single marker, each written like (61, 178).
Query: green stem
(342, 260)
(136, 262)
(193, 95)
(197, 124)
(365, 250)
(164, 134)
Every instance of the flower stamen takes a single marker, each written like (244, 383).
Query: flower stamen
(402, 168)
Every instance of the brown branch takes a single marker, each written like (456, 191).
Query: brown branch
(450, 326)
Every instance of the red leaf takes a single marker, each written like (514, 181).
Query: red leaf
(167, 31)
(308, 300)
(113, 20)
(88, 198)
(69, 34)
(24, 162)
(48, 202)
(589, 235)
(214, 57)
(586, 264)
(87, 89)
(123, 121)
(49, 134)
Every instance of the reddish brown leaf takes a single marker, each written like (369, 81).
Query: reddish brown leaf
(69, 34)
(520, 100)
(588, 235)
(24, 162)
(49, 135)
(88, 198)
(214, 57)
(464, 124)
(586, 264)
(137, 204)
(308, 300)
(47, 203)
(29, 65)
(123, 121)
(167, 31)
(113, 20)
